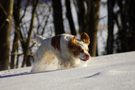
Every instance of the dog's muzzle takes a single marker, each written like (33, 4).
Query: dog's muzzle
(87, 57)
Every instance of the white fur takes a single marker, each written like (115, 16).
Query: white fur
(47, 56)
(38, 40)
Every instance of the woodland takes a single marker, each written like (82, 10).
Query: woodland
(22, 20)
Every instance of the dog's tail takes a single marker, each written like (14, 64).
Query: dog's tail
(38, 40)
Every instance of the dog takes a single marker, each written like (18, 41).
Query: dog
(64, 47)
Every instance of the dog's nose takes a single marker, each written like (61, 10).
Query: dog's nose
(87, 56)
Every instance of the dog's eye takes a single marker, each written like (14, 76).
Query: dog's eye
(82, 51)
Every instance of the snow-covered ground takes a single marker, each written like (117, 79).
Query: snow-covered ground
(111, 72)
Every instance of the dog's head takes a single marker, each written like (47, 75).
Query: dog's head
(79, 48)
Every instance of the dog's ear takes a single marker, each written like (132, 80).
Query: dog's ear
(85, 38)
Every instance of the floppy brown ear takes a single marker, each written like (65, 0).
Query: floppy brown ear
(85, 38)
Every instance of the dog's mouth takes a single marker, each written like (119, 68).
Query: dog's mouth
(87, 58)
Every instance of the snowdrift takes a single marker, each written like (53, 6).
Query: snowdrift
(111, 72)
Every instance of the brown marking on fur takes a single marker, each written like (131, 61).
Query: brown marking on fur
(85, 38)
(74, 47)
(55, 42)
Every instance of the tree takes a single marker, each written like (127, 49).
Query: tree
(16, 15)
(25, 29)
(57, 17)
(81, 12)
(88, 21)
(26, 49)
(123, 18)
(6, 11)
(111, 15)
(70, 18)
(94, 7)
(127, 30)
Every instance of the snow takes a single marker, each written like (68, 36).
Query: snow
(111, 72)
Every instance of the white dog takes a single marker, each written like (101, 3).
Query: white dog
(65, 47)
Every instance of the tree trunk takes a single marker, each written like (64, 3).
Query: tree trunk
(110, 38)
(6, 10)
(127, 35)
(13, 52)
(92, 24)
(70, 18)
(81, 15)
(26, 49)
(57, 16)
(131, 11)
(16, 14)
